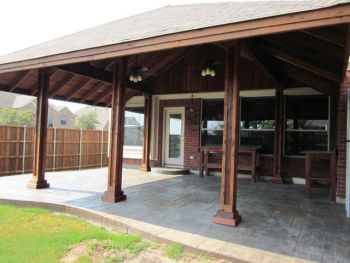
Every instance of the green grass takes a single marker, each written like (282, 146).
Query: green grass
(38, 235)
(174, 251)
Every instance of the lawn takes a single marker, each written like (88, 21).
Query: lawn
(39, 235)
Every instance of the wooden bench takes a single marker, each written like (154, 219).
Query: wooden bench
(314, 171)
(205, 162)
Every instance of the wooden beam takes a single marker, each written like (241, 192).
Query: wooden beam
(300, 40)
(95, 73)
(327, 35)
(86, 70)
(228, 214)
(38, 181)
(314, 81)
(146, 150)
(278, 140)
(103, 94)
(114, 191)
(335, 15)
(281, 55)
(185, 54)
(75, 90)
(17, 80)
(263, 61)
(163, 63)
(60, 85)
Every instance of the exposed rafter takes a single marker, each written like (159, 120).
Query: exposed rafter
(103, 94)
(326, 35)
(264, 62)
(185, 54)
(60, 85)
(86, 70)
(81, 85)
(17, 80)
(89, 92)
(282, 55)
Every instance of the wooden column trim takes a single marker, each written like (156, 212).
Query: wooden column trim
(38, 181)
(114, 191)
(278, 140)
(145, 165)
(228, 214)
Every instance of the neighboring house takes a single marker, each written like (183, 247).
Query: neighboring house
(103, 115)
(58, 116)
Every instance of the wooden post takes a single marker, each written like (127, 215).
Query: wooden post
(114, 192)
(38, 181)
(228, 214)
(278, 141)
(145, 165)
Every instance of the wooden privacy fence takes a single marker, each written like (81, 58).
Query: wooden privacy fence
(67, 149)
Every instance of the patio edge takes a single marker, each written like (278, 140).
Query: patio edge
(192, 242)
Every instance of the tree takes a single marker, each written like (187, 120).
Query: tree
(87, 121)
(9, 116)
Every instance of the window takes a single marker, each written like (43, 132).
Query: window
(258, 123)
(50, 122)
(212, 124)
(307, 122)
(64, 120)
(133, 128)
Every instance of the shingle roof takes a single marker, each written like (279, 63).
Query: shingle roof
(167, 20)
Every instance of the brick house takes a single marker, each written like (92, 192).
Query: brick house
(264, 75)
(58, 116)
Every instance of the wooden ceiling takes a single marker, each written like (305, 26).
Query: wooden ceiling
(316, 58)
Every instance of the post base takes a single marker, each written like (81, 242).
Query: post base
(227, 218)
(38, 184)
(145, 168)
(277, 180)
(113, 197)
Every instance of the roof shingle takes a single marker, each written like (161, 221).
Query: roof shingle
(167, 20)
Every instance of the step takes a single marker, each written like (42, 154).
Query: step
(169, 170)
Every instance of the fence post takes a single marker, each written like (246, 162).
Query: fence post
(54, 149)
(80, 147)
(102, 148)
(24, 148)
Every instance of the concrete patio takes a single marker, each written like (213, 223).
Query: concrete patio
(276, 218)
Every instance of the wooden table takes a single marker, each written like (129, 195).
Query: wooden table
(313, 173)
(206, 164)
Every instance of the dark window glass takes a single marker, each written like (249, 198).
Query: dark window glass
(64, 120)
(258, 123)
(212, 124)
(306, 124)
(133, 127)
(50, 122)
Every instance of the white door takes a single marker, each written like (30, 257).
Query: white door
(174, 122)
(347, 200)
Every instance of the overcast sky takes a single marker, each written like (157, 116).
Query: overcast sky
(25, 23)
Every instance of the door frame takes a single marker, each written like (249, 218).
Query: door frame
(166, 112)
(347, 188)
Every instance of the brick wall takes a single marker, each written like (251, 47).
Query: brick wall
(341, 136)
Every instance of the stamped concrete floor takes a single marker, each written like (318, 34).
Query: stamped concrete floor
(276, 218)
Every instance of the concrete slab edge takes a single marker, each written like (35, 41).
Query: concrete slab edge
(192, 242)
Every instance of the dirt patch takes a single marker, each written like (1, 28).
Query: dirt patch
(96, 252)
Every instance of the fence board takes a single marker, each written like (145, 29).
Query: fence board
(65, 151)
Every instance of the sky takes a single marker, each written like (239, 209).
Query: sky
(26, 23)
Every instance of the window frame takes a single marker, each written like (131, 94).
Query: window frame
(206, 129)
(305, 131)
